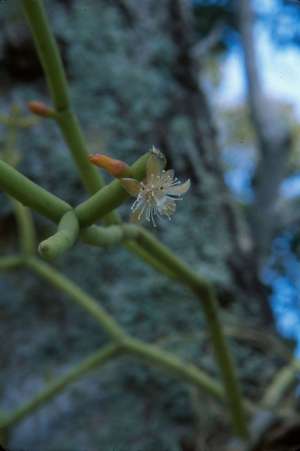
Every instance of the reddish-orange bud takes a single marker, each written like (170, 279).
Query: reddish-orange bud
(116, 168)
(40, 109)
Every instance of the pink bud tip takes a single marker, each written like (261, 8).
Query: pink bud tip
(116, 168)
(40, 109)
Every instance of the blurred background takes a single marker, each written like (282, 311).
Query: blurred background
(215, 86)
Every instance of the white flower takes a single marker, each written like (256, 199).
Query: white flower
(157, 194)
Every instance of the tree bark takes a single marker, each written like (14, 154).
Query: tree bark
(272, 137)
(193, 103)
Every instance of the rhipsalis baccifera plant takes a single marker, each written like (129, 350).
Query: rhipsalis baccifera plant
(157, 194)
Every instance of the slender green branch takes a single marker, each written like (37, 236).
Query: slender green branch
(116, 332)
(75, 141)
(63, 239)
(34, 196)
(115, 234)
(150, 353)
(85, 301)
(186, 371)
(102, 202)
(97, 359)
(102, 236)
(26, 230)
(149, 259)
(66, 119)
(206, 295)
(52, 64)
(281, 383)
(30, 194)
(113, 195)
(11, 262)
(48, 52)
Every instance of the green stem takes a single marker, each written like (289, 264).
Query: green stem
(52, 64)
(11, 262)
(116, 332)
(102, 236)
(111, 196)
(148, 353)
(75, 141)
(34, 196)
(25, 228)
(102, 202)
(113, 235)
(94, 361)
(30, 194)
(282, 381)
(206, 295)
(85, 301)
(63, 239)
(186, 371)
(48, 52)
(149, 259)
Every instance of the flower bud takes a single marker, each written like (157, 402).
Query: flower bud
(40, 109)
(116, 168)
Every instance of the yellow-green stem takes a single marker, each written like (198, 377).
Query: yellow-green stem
(206, 295)
(184, 370)
(10, 262)
(63, 239)
(79, 296)
(52, 64)
(281, 383)
(91, 363)
(26, 231)
(89, 212)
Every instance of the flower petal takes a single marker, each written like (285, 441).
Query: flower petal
(167, 176)
(132, 186)
(169, 208)
(179, 190)
(155, 164)
(138, 213)
(135, 216)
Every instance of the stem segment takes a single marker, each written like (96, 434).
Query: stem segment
(10, 262)
(58, 86)
(25, 228)
(30, 194)
(184, 370)
(124, 344)
(88, 303)
(63, 239)
(96, 360)
(66, 119)
(102, 203)
(205, 294)
(281, 383)
(48, 52)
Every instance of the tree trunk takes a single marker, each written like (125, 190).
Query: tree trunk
(191, 100)
(272, 137)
